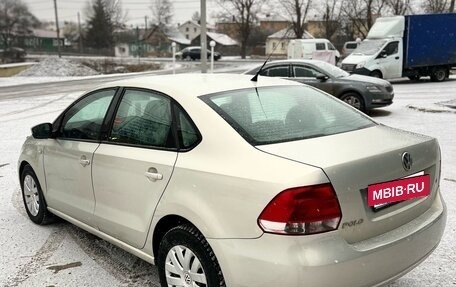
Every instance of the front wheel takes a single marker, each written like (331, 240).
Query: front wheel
(33, 197)
(186, 259)
(354, 100)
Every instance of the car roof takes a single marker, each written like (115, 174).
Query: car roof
(302, 61)
(288, 61)
(194, 85)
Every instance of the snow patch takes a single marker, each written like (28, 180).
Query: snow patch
(57, 67)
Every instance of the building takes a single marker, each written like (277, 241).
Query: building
(223, 43)
(273, 23)
(277, 43)
(39, 40)
(192, 29)
(154, 41)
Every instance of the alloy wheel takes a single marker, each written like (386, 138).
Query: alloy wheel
(32, 198)
(183, 268)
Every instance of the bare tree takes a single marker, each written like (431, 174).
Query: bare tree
(437, 6)
(243, 14)
(162, 13)
(399, 7)
(115, 13)
(362, 14)
(297, 11)
(331, 17)
(15, 21)
(196, 17)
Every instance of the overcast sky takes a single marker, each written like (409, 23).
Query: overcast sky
(136, 10)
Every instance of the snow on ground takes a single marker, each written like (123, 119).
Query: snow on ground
(31, 253)
(57, 67)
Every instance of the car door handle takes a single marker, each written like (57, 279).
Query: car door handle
(84, 161)
(397, 58)
(153, 176)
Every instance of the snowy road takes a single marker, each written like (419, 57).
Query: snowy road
(64, 255)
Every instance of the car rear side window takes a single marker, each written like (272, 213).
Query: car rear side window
(187, 133)
(285, 113)
(351, 46)
(143, 118)
(279, 71)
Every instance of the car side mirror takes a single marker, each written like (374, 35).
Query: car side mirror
(42, 131)
(321, 77)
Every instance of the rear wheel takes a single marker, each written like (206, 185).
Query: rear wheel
(34, 202)
(439, 74)
(376, 74)
(186, 259)
(354, 100)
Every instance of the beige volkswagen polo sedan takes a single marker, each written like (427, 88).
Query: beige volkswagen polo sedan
(223, 181)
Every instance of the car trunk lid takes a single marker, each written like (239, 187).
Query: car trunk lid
(356, 159)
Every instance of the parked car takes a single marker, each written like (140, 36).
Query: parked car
(194, 53)
(362, 92)
(349, 47)
(223, 181)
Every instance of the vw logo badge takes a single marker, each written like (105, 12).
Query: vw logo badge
(407, 161)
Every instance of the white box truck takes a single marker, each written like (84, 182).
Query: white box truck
(407, 46)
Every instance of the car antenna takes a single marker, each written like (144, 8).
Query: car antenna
(255, 78)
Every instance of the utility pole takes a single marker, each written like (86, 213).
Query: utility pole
(80, 34)
(145, 23)
(57, 26)
(451, 10)
(203, 38)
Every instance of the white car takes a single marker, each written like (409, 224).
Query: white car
(224, 181)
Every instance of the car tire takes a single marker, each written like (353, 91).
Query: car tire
(376, 74)
(185, 241)
(33, 198)
(354, 100)
(439, 74)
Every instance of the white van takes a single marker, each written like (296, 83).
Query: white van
(316, 49)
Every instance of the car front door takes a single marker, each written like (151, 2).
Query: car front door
(132, 167)
(307, 74)
(391, 61)
(68, 157)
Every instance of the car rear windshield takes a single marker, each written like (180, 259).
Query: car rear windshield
(276, 114)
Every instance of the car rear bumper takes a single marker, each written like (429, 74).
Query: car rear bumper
(327, 259)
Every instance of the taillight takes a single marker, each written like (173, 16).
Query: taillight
(302, 210)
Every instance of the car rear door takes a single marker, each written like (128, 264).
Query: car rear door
(68, 157)
(133, 166)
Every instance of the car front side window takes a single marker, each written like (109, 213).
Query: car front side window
(83, 120)
(304, 72)
(143, 118)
